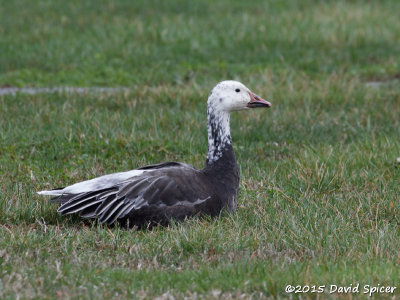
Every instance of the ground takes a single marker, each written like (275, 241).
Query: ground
(319, 191)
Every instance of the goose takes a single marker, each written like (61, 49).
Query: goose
(156, 194)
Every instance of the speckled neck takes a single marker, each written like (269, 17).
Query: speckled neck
(218, 128)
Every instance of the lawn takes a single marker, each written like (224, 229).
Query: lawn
(319, 191)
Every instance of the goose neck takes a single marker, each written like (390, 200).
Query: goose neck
(218, 129)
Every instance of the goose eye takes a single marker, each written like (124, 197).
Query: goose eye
(237, 90)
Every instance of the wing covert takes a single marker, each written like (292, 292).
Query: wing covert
(159, 188)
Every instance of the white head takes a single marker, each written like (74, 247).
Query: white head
(225, 97)
(232, 95)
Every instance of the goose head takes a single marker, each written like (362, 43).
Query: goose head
(230, 95)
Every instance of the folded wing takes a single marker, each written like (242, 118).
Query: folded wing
(158, 187)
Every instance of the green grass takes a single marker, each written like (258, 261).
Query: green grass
(319, 194)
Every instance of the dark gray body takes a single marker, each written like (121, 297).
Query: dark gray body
(164, 192)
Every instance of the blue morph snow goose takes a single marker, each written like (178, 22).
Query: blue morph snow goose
(156, 194)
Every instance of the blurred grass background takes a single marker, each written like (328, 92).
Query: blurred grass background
(319, 190)
(154, 42)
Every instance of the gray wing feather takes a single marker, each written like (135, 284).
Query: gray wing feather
(173, 186)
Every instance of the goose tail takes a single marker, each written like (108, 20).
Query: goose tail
(58, 195)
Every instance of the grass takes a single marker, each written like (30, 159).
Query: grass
(318, 202)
